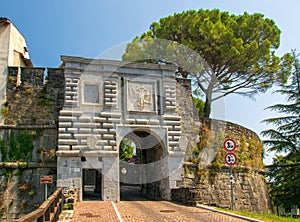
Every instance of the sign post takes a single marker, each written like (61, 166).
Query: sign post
(230, 159)
(45, 180)
(231, 189)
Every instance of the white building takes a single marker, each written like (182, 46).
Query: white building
(13, 52)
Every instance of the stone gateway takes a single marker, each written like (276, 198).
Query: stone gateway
(107, 101)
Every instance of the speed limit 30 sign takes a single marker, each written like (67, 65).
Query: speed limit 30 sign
(230, 159)
(230, 145)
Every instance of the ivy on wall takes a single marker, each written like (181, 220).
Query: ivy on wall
(4, 110)
(18, 148)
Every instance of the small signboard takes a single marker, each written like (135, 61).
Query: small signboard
(230, 145)
(230, 159)
(46, 179)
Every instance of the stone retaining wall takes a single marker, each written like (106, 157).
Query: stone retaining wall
(20, 190)
(250, 190)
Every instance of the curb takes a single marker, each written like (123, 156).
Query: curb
(227, 213)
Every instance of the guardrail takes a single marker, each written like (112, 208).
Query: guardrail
(48, 211)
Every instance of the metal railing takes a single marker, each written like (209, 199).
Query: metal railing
(48, 211)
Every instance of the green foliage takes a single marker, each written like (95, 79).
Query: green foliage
(20, 147)
(285, 138)
(263, 217)
(285, 178)
(284, 172)
(218, 162)
(3, 150)
(212, 143)
(11, 79)
(17, 96)
(221, 52)
(44, 100)
(186, 170)
(4, 112)
(31, 192)
(126, 149)
(67, 206)
(199, 104)
(28, 90)
(8, 172)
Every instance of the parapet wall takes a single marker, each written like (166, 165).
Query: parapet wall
(33, 98)
(230, 129)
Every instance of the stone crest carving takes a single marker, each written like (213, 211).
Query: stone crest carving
(144, 97)
(140, 97)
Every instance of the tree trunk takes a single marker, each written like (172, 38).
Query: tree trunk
(207, 107)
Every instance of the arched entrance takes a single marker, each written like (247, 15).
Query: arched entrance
(146, 167)
(106, 101)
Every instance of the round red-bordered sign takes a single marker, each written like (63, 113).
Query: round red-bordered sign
(230, 159)
(229, 145)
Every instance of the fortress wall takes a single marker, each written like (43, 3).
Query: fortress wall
(36, 100)
(20, 190)
(213, 188)
(206, 183)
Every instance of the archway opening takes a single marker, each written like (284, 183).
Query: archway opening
(143, 166)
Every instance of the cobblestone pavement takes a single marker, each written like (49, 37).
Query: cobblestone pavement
(135, 207)
(142, 211)
(100, 211)
(138, 208)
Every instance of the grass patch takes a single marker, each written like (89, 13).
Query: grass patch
(263, 217)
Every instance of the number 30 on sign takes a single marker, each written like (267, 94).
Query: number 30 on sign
(230, 145)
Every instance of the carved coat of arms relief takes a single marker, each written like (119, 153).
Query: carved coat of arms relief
(140, 97)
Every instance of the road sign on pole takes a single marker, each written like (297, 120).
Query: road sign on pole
(230, 145)
(231, 189)
(45, 179)
(230, 159)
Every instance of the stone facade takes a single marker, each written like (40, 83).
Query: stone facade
(107, 101)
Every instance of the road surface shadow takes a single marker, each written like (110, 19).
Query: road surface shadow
(133, 193)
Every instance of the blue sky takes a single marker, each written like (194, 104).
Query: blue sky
(88, 28)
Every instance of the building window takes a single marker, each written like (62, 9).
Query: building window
(91, 94)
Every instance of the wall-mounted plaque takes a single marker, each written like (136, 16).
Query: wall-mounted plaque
(140, 96)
